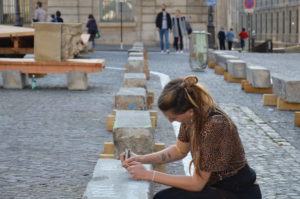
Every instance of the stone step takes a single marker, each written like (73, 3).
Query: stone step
(286, 88)
(237, 68)
(132, 80)
(133, 130)
(259, 77)
(131, 99)
(111, 180)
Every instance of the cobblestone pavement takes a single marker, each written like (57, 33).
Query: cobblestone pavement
(51, 137)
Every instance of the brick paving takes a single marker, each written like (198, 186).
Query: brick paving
(51, 137)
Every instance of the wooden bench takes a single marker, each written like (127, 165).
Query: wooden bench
(81, 67)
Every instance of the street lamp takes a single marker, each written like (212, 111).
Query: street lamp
(18, 13)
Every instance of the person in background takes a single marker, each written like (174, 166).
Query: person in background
(222, 38)
(53, 19)
(243, 35)
(230, 38)
(39, 13)
(179, 30)
(164, 25)
(217, 153)
(92, 29)
(58, 17)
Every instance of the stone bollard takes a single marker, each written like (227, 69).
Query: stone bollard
(237, 68)
(77, 80)
(222, 60)
(131, 99)
(135, 65)
(14, 79)
(133, 130)
(286, 88)
(259, 77)
(135, 80)
(110, 180)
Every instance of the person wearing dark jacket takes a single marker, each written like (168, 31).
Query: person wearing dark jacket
(92, 29)
(164, 25)
(58, 17)
(222, 38)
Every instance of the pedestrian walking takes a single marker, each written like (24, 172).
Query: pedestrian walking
(92, 29)
(179, 30)
(164, 25)
(39, 13)
(230, 38)
(58, 17)
(222, 38)
(220, 167)
(243, 35)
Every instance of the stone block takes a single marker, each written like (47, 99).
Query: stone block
(136, 54)
(286, 88)
(57, 41)
(138, 44)
(259, 77)
(131, 99)
(135, 49)
(135, 80)
(237, 68)
(110, 180)
(14, 79)
(133, 130)
(212, 55)
(135, 65)
(77, 80)
(222, 60)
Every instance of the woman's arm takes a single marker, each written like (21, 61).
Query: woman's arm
(170, 154)
(190, 183)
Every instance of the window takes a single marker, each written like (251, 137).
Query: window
(290, 22)
(266, 23)
(271, 22)
(7, 11)
(277, 22)
(110, 10)
(283, 22)
(297, 21)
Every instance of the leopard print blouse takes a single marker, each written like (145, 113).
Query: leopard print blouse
(221, 150)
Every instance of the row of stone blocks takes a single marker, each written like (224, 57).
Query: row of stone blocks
(257, 79)
(133, 127)
(76, 80)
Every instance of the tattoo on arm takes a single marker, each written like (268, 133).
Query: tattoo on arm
(164, 156)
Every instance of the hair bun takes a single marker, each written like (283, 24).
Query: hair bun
(190, 80)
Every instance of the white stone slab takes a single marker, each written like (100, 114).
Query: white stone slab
(286, 88)
(111, 181)
(131, 99)
(237, 68)
(132, 80)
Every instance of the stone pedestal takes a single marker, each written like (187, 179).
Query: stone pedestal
(222, 60)
(131, 99)
(14, 79)
(135, 65)
(132, 80)
(287, 89)
(57, 41)
(259, 77)
(77, 80)
(133, 130)
(110, 180)
(237, 68)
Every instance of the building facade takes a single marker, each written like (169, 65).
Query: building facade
(273, 19)
(138, 16)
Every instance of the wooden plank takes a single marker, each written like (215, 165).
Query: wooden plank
(286, 106)
(297, 119)
(14, 31)
(269, 100)
(31, 66)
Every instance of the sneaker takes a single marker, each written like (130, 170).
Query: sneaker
(168, 51)
(181, 51)
(177, 52)
(162, 52)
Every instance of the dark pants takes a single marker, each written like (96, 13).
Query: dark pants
(242, 44)
(176, 42)
(230, 45)
(239, 186)
(222, 44)
(92, 39)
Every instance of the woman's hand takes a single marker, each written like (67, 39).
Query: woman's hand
(125, 162)
(138, 171)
